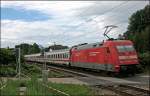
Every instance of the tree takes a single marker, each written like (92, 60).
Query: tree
(7, 56)
(35, 48)
(139, 29)
(56, 47)
(28, 49)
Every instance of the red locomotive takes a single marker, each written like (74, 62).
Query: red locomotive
(110, 55)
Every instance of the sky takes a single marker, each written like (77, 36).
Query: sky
(63, 22)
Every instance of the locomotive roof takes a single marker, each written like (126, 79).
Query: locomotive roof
(91, 45)
(98, 44)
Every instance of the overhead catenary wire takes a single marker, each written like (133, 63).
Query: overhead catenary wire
(117, 23)
(121, 4)
(109, 10)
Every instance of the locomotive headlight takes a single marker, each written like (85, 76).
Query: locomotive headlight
(117, 67)
(127, 57)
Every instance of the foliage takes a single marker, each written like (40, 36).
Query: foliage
(7, 56)
(56, 47)
(10, 89)
(31, 70)
(8, 62)
(145, 59)
(72, 89)
(35, 88)
(139, 29)
(7, 71)
(28, 49)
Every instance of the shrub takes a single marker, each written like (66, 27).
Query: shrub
(7, 71)
(144, 59)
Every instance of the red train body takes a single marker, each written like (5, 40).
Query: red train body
(111, 56)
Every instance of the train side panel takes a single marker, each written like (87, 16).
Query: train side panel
(93, 58)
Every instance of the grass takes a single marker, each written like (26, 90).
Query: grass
(12, 87)
(72, 89)
(35, 88)
(35, 70)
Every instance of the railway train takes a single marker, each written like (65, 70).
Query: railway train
(111, 56)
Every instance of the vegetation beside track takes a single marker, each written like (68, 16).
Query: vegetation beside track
(35, 88)
(72, 89)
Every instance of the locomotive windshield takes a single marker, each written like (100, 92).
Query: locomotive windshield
(125, 48)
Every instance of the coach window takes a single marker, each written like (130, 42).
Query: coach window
(64, 55)
(55, 56)
(60, 55)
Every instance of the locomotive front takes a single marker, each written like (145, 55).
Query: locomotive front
(127, 57)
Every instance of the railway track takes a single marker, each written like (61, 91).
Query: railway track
(67, 71)
(121, 89)
(126, 90)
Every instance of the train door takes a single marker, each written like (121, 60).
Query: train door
(106, 58)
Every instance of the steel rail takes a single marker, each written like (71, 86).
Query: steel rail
(67, 71)
(126, 90)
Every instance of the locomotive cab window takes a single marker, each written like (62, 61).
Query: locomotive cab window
(125, 48)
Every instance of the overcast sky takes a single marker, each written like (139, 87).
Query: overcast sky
(64, 22)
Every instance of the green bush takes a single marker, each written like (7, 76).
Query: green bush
(144, 59)
(30, 69)
(7, 71)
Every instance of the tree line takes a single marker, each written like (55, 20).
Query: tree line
(138, 31)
